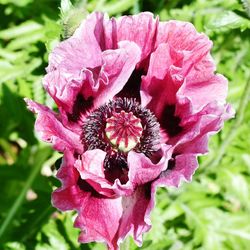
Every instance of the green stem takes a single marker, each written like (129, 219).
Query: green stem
(38, 161)
(234, 129)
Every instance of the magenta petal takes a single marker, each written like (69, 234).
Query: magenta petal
(63, 87)
(202, 93)
(136, 213)
(91, 169)
(93, 75)
(182, 36)
(183, 169)
(194, 138)
(140, 29)
(52, 130)
(83, 42)
(68, 196)
(118, 65)
(98, 31)
(162, 81)
(111, 220)
(142, 170)
(99, 220)
(95, 85)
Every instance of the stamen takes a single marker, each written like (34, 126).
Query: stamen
(117, 127)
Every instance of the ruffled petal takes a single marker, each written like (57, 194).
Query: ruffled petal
(198, 128)
(142, 170)
(76, 92)
(68, 196)
(141, 29)
(182, 36)
(111, 220)
(135, 219)
(162, 81)
(200, 94)
(91, 169)
(182, 168)
(51, 130)
(82, 49)
(101, 218)
(191, 142)
(118, 66)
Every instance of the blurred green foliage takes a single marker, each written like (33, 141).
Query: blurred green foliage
(211, 213)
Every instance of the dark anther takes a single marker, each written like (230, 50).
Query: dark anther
(169, 122)
(81, 106)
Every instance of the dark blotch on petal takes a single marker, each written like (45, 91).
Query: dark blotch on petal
(133, 85)
(147, 188)
(86, 187)
(171, 166)
(169, 122)
(116, 167)
(81, 106)
(171, 163)
(96, 72)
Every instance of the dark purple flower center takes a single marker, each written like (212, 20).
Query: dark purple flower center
(118, 127)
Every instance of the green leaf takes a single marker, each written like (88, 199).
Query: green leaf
(25, 28)
(228, 20)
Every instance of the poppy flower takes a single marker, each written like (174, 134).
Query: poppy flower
(137, 101)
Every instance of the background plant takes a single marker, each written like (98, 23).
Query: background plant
(212, 212)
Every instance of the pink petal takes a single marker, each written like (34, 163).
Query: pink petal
(118, 66)
(68, 196)
(199, 94)
(98, 30)
(51, 130)
(162, 81)
(182, 36)
(81, 50)
(142, 170)
(194, 137)
(183, 169)
(136, 213)
(101, 218)
(95, 85)
(111, 220)
(91, 169)
(141, 29)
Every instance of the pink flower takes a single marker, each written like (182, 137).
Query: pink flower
(137, 101)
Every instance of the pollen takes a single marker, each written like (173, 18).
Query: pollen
(123, 130)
